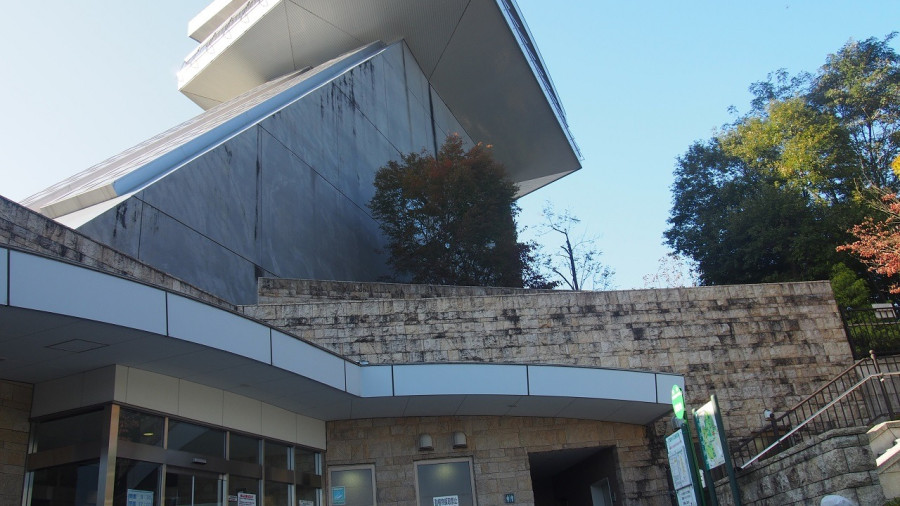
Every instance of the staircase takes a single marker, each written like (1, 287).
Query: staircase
(865, 394)
(884, 439)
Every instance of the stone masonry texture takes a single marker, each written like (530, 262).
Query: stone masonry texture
(498, 447)
(839, 462)
(754, 346)
(15, 406)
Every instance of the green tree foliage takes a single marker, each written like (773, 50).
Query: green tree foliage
(772, 195)
(450, 219)
(849, 289)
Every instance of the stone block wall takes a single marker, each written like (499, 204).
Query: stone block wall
(290, 291)
(499, 448)
(838, 462)
(755, 346)
(15, 406)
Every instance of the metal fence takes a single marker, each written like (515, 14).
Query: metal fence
(864, 394)
(875, 328)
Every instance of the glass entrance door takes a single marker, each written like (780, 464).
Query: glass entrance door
(192, 488)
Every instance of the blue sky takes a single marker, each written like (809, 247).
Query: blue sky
(640, 82)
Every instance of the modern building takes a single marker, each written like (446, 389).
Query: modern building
(154, 348)
(305, 100)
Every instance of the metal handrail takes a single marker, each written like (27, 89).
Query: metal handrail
(219, 32)
(782, 439)
(816, 402)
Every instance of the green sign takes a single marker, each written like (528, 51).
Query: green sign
(678, 401)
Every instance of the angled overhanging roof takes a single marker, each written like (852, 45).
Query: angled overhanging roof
(87, 194)
(61, 319)
(477, 54)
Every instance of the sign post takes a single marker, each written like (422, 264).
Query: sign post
(682, 461)
(714, 446)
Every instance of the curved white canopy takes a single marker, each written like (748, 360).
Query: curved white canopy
(61, 319)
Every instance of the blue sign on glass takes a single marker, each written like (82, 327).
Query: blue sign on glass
(338, 496)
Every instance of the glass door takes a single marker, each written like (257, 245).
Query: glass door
(192, 488)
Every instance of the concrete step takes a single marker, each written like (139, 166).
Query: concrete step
(884, 439)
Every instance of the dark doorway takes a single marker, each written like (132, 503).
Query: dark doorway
(574, 477)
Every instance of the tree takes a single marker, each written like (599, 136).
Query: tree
(878, 239)
(450, 219)
(672, 271)
(576, 263)
(860, 85)
(772, 195)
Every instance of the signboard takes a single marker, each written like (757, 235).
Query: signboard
(447, 500)
(140, 497)
(710, 435)
(245, 499)
(338, 496)
(686, 497)
(678, 401)
(680, 466)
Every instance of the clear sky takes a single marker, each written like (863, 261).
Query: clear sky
(82, 81)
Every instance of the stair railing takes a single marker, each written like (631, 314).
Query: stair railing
(851, 399)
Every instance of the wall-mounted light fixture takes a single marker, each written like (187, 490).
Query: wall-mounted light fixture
(425, 443)
(459, 440)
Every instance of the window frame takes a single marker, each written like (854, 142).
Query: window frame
(468, 460)
(352, 467)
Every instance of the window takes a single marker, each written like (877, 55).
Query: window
(71, 484)
(136, 483)
(142, 428)
(69, 431)
(278, 455)
(156, 463)
(445, 483)
(242, 485)
(188, 437)
(243, 448)
(352, 486)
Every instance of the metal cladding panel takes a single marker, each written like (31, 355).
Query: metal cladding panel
(427, 24)
(302, 358)
(199, 323)
(375, 381)
(449, 379)
(592, 383)
(664, 383)
(56, 287)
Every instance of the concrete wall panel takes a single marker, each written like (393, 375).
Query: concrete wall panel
(151, 390)
(288, 229)
(242, 413)
(215, 194)
(200, 402)
(119, 227)
(187, 254)
(278, 423)
(287, 197)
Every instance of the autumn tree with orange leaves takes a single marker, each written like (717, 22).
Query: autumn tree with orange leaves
(877, 242)
(450, 220)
